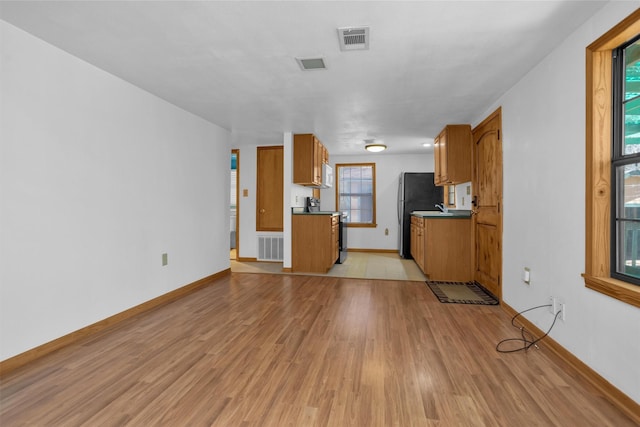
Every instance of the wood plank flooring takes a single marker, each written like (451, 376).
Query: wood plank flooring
(288, 350)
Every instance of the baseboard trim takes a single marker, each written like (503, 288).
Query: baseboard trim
(243, 259)
(608, 390)
(384, 251)
(287, 270)
(9, 365)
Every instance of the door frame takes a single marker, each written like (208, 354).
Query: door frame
(237, 153)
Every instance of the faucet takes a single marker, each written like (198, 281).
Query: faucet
(442, 207)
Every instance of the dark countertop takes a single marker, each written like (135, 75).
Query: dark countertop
(315, 213)
(452, 214)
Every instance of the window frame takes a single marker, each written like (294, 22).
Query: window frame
(373, 223)
(619, 160)
(599, 126)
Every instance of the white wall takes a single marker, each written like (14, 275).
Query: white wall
(247, 204)
(388, 168)
(98, 179)
(544, 209)
(464, 196)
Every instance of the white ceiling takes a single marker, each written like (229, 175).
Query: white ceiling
(233, 63)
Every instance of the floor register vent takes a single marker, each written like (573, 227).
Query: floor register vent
(270, 248)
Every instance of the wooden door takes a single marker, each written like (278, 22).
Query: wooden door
(487, 200)
(270, 192)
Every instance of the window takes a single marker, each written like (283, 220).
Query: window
(625, 163)
(599, 275)
(356, 193)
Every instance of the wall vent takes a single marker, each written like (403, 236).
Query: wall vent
(353, 38)
(270, 248)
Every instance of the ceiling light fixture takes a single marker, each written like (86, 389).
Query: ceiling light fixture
(308, 64)
(375, 147)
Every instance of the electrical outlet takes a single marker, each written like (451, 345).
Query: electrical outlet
(386, 231)
(165, 259)
(557, 305)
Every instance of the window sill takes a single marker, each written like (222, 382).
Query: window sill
(614, 288)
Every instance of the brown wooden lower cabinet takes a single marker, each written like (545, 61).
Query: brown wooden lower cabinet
(314, 242)
(417, 241)
(443, 248)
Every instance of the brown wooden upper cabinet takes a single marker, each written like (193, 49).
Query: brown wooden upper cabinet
(270, 189)
(308, 156)
(452, 155)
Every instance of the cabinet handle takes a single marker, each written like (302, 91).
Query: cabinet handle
(262, 210)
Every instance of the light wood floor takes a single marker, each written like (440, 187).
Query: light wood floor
(287, 350)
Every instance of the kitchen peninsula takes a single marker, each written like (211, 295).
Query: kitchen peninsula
(314, 241)
(441, 244)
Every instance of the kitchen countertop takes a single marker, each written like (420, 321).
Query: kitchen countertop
(452, 214)
(316, 213)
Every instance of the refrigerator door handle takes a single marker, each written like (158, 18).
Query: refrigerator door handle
(400, 199)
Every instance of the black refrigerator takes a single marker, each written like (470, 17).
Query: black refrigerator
(416, 192)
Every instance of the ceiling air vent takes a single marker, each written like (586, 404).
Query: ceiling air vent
(354, 38)
(311, 64)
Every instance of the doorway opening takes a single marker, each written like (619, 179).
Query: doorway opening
(234, 211)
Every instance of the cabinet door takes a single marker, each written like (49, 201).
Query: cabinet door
(270, 193)
(420, 247)
(436, 159)
(317, 161)
(308, 156)
(313, 245)
(452, 155)
(447, 250)
(413, 236)
(444, 157)
(459, 153)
